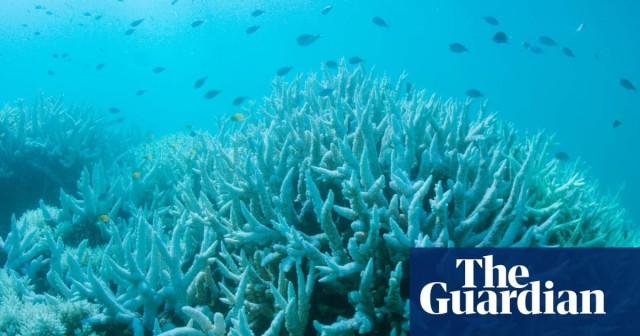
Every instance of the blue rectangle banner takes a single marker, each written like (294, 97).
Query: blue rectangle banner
(525, 291)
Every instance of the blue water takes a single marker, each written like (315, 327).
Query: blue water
(576, 98)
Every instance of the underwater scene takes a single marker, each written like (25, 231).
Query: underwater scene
(192, 167)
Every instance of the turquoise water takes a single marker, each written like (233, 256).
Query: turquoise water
(576, 98)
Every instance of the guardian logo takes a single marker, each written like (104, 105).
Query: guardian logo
(524, 291)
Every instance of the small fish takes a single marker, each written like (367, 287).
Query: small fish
(211, 94)
(251, 30)
(378, 21)
(473, 93)
(257, 12)
(526, 45)
(237, 117)
(49, 12)
(534, 49)
(197, 23)
(50, 73)
(37, 33)
(200, 82)
(409, 88)
(326, 10)
(457, 48)
(174, 2)
(625, 83)
(283, 71)
(129, 31)
(114, 110)
(158, 70)
(500, 37)
(135, 175)
(136, 23)
(616, 123)
(64, 55)
(562, 156)
(546, 40)
(355, 60)
(54, 55)
(239, 100)
(568, 52)
(103, 218)
(140, 92)
(491, 20)
(86, 14)
(325, 92)
(39, 7)
(579, 29)
(99, 66)
(24, 25)
(331, 64)
(98, 17)
(306, 39)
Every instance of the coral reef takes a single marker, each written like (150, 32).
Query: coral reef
(299, 220)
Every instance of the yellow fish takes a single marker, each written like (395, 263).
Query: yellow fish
(135, 175)
(237, 117)
(103, 218)
(148, 156)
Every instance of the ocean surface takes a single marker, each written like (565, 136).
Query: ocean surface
(86, 52)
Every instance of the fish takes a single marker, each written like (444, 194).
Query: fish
(251, 30)
(306, 39)
(174, 2)
(99, 66)
(500, 37)
(409, 88)
(326, 10)
(239, 100)
(526, 45)
(103, 218)
(474, 93)
(579, 29)
(355, 60)
(625, 83)
(199, 82)
(457, 48)
(283, 71)
(114, 110)
(331, 64)
(49, 12)
(197, 23)
(54, 55)
(136, 23)
(135, 175)
(616, 123)
(50, 72)
(129, 31)
(98, 17)
(546, 40)
(257, 12)
(86, 14)
(158, 70)
(325, 92)
(64, 55)
(562, 156)
(534, 49)
(491, 20)
(37, 33)
(140, 92)
(568, 52)
(211, 94)
(237, 117)
(40, 7)
(119, 120)
(378, 21)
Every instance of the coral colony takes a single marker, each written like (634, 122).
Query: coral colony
(296, 220)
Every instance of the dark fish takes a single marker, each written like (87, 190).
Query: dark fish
(457, 48)
(174, 2)
(211, 94)
(283, 71)
(49, 12)
(473, 93)
(37, 33)
(562, 156)
(54, 55)
(409, 88)
(306, 39)
(378, 21)
(140, 92)
(326, 10)
(24, 25)
(251, 30)
(536, 50)
(39, 7)
(257, 12)
(325, 92)
(50, 73)
(491, 20)
(64, 55)
(526, 45)
(86, 14)
(97, 17)
(500, 37)
(99, 66)
(616, 123)
(567, 52)
(197, 23)
(546, 40)
(136, 23)
(158, 70)
(114, 110)
(355, 60)
(238, 101)
(200, 82)
(331, 64)
(129, 31)
(625, 83)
